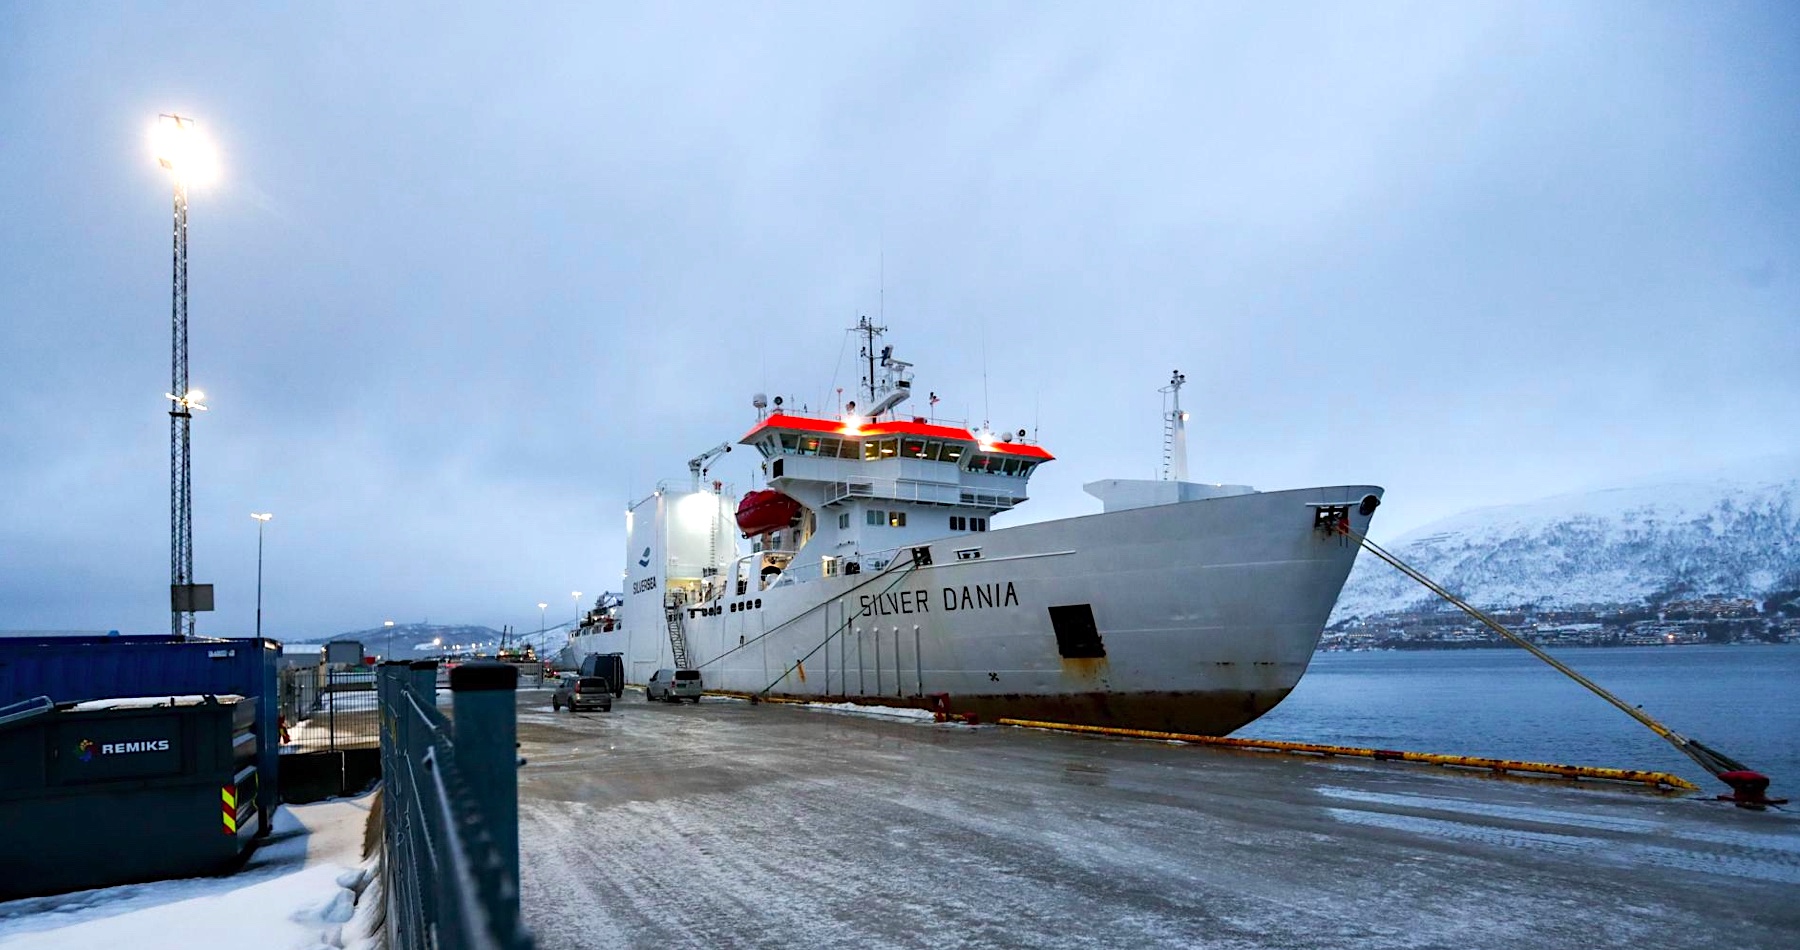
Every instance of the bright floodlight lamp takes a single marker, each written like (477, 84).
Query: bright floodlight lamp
(190, 402)
(261, 517)
(180, 148)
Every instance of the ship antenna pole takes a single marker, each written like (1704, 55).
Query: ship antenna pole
(1175, 467)
(869, 351)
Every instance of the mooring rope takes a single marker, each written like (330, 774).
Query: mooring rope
(1709, 759)
(899, 576)
(878, 575)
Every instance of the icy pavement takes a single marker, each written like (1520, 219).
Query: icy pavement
(727, 824)
(293, 893)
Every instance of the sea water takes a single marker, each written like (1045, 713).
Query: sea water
(1741, 700)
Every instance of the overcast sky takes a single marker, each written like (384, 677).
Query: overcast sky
(470, 281)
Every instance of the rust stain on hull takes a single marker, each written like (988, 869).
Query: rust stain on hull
(1091, 672)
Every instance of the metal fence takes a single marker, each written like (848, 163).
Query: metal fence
(325, 709)
(450, 809)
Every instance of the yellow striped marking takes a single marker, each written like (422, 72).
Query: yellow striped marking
(228, 799)
(1652, 779)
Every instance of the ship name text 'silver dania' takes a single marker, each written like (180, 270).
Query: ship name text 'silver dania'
(872, 570)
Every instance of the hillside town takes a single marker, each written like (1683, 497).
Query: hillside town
(1710, 620)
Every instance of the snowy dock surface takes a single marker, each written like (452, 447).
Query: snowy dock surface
(726, 824)
(291, 894)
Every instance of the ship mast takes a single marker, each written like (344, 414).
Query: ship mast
(1175, 467)
(869, 332)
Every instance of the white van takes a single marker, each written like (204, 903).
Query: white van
(673, 686)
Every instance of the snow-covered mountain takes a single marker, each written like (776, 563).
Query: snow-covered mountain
(409, 640)
(1733, 532)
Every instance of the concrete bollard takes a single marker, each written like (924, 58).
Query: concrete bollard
(487, 731)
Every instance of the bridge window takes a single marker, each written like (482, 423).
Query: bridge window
(889, 447)
(952, 452)
(871, 450)
(913, 448)
(849, 449)
(790, 443)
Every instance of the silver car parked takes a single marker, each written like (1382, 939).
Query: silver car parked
(582, 692)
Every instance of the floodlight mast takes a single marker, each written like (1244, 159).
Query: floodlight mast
(173, 130)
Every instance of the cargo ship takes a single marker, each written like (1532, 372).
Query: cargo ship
(869, 567)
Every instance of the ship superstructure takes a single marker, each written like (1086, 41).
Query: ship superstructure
(867, 567)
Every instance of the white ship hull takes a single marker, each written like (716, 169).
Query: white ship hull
(1207, 611)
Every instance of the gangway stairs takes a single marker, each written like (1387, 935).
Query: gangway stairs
(677, 638)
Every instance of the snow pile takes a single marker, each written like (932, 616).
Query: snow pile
(878, 712)
(1732, 534)
(154, 702)
(299, 890)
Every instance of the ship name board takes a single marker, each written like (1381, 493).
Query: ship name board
(965, 597)
(648, 583)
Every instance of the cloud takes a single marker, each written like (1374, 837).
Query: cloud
(474, 280)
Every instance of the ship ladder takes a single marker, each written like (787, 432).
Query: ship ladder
(1748, 787)
(677, 637)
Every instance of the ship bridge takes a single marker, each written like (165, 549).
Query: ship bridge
(863, 486)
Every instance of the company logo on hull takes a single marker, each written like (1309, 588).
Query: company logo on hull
(645, 560)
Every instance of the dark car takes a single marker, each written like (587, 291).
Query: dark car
(582, 692)
(673, 686)
(609, 666)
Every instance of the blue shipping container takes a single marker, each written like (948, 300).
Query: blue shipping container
(77, 669)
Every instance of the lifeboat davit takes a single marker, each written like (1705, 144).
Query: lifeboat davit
(766, 510)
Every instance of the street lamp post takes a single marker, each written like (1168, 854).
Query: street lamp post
(261, 520)
(541, 608)
(577, 595)
(389, 624)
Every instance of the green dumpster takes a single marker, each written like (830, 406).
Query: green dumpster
(115, 791)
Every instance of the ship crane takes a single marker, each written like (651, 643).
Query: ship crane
(698, 465)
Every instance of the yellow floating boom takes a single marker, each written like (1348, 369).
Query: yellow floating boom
(1634, 776)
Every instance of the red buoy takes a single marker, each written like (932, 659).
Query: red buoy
(766, 510)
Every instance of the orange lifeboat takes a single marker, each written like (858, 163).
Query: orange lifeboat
(766, 510)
